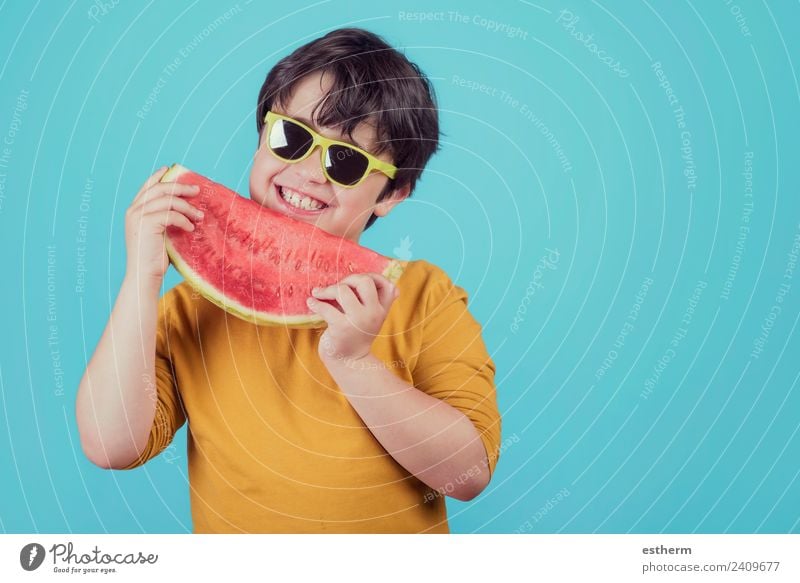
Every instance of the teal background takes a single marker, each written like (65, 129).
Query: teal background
(597, 175)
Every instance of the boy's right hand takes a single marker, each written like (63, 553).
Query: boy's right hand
(156, 205)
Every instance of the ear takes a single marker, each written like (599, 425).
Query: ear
(396, 197)
(260, 143)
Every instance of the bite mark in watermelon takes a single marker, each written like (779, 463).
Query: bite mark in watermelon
(258, 264)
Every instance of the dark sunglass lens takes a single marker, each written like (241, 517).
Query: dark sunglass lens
(288, 140)
(345, 165)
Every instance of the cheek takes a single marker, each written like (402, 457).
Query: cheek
(358, 202)
(264, 169)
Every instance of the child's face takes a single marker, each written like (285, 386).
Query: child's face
(348, 209)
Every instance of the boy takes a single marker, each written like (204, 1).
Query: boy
(362, 426)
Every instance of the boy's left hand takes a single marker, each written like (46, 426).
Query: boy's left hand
(364, 300)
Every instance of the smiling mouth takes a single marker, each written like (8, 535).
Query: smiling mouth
(299, 202)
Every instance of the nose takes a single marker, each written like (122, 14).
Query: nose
(310, 169)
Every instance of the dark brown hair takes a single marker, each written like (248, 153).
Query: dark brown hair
(371, 82)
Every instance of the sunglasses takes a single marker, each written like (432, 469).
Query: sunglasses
(342, 163)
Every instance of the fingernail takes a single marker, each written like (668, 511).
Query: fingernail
(310, 301)
(314, 290)
(200, 213)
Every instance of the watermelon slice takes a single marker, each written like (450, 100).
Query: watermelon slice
(258, 264)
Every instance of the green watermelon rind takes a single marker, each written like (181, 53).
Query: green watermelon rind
(393, 271)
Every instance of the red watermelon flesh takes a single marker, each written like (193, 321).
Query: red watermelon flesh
(258, 264)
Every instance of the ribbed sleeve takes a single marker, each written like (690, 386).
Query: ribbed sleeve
(169, 415)
(453, 363)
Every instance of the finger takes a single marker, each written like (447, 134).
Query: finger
(347, 299)
(171, 218)
(167, 189)
(155, 178)
(174, 189)
(364, 286)
(387, 291)
(341, 293)
(328, 313)
(172, 202)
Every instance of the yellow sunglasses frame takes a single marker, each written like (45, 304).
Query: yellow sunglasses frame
(318, 140)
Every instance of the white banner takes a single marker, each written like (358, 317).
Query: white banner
(406, 558)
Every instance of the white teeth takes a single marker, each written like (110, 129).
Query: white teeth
(299, 201)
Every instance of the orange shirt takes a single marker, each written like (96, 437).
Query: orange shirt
(274, 446)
